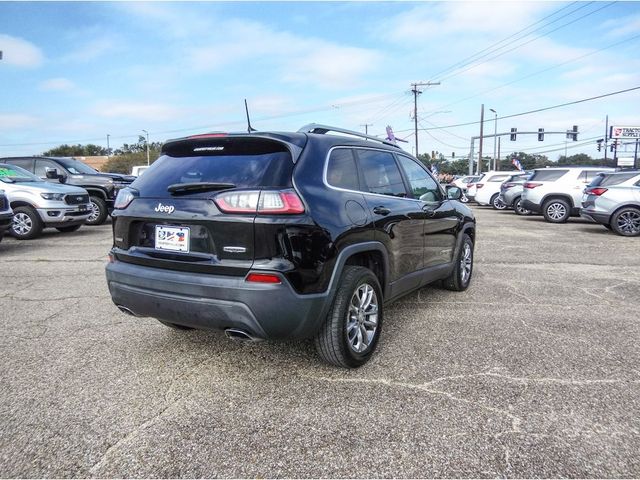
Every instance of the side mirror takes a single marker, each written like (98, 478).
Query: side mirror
(454, 193)
(51, 173)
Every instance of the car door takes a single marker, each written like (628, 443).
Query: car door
(398, 220)
(41, 166)
(441, 218)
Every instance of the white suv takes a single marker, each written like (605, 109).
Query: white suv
(556, 192)
(487, 190)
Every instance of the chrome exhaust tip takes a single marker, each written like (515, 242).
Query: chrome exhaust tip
(240, 335)
(126, 310)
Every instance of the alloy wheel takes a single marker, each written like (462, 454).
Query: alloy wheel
(466, 263)
(362, 318)
(629, 222)
(520, 209)
(95, 212)
(22, 224)
(556, 211)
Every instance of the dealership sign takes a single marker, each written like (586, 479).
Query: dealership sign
(625, 132)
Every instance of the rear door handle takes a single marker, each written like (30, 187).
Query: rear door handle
(381, 210)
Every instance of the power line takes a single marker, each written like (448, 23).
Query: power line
(597, 97)
(525, 43)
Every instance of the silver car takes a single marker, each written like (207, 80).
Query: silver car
(511, 192)
(38, 204)
(613, 200)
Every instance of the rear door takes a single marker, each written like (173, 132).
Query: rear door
(398, 220)
(195, 207)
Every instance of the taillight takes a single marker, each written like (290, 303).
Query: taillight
(595, 191)
(479, 185)
(270, 202)
(469, 185)
(263, 278)
(208, 135)
(532, 185)
(508, 185)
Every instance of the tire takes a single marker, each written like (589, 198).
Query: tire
(174, 326)
(72, 228)
(460, 277)
(519, 209)
(464, 198)
(99, 211)
(497, 203)
(356, 310)
(556, 210)
(626, 222)
(27, 223)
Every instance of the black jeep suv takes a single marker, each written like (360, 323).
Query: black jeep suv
(102, 187)
(286, 235)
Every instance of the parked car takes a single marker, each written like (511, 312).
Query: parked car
(556, 192)
(102, 187)
(486, 191)
(38, 204)
(6, 214)
(286, 235)
(511, 192)
(463, 182)
(138, 170)
(613, 200)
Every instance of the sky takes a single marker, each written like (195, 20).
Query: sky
(76, 72)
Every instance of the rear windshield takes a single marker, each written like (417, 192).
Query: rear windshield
(547, 175)
(245, 164)
(612, 179)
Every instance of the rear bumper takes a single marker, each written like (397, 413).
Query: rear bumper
(5, 222)
(217, 302)
(602, 218)
(529, 205)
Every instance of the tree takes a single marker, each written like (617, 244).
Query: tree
(65, 150)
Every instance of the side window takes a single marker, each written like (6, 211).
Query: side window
(26, 163)
(380, 172)
(498, 178)
(590, 175)
(341, 171)
(42, 165)
(423, 186)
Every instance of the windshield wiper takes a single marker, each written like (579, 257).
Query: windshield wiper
(178, 188)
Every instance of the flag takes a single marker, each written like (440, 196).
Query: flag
(434, 169)
(516, 163)
(390, 136)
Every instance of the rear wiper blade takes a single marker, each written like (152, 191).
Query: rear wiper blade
(178, 188)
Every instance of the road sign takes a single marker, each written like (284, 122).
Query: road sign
(625, 132)
(626, 162)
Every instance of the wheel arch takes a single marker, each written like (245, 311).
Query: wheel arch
(557, 196)
(96, 192)
(620, 207)
(21, 203)
(371, 255)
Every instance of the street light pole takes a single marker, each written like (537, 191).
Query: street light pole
(108, 145)
(495, 135)
(147, 133)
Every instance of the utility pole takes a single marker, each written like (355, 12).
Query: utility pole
(498, 158)
(147, 133)
(495, 136)
(108, 145)
(481, 135)
(366, 127)
(417, 92)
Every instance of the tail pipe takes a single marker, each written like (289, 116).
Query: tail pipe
(240, 335)
(126, 310)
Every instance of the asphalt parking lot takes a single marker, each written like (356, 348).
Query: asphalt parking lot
(533, 372)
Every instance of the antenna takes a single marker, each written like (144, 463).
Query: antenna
(249, 127)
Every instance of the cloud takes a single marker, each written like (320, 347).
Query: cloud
(136, 110)
(91, 50)
(620, 27)
(433, 20)
(19, 52)
(9, 121)
(57, 84)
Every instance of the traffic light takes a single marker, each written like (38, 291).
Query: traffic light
(573, 133)
(453, 154)
(600, 143)
(613, 146)
(541, 134)
(512, 137)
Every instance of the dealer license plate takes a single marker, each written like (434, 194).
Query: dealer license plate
(175, 239)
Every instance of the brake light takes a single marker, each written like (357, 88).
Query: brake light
(595, 191)
(479, 185)
(261, 202)
(532, 185)
(469, 185)
(263, 278)
(508, 185)
(208, 135)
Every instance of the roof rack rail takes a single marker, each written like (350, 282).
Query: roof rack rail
(322, 129)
